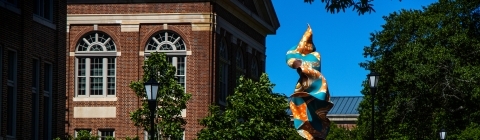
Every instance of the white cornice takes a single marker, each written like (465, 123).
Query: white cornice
(246, 16)
(133, 19)
(255, 16)
(222, 23)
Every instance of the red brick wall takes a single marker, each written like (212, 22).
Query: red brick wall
(129, 65)
(199, 7)
(201, 75)
(31, 39)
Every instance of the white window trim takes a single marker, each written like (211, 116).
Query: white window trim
(174, 53)
(49, 93)
(36, 98)
(87, 80)
(87, 54)
(75, 132)
(146, 135)
(174, 63)
(13, 83)
(99, 133)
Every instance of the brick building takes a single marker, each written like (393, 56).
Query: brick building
(345, 111)
(32, 69)
(210, 42)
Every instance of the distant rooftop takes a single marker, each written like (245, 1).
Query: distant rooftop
(343, 105)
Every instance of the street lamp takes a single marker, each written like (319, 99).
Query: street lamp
(151, 87)
(373, 81)
(443, 134)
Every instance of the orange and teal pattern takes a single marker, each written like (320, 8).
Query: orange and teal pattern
(310, 102)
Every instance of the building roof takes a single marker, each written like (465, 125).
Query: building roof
(343, 105)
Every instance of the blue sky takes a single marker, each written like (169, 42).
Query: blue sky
(340, 39)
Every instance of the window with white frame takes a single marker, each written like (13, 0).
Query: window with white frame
(11, 94)
(35, 97)
(77, 132)
(254, 68)
(95, 66)
(47, 101)
(146, 136)
(223, 72)
(174, 47)
(104, 134)
(44, 9)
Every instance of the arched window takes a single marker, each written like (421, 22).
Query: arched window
(240, 63)
(95, 66)
(223, 72)
(254, 68)
(173, 46)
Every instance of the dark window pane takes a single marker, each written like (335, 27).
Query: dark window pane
(35, 70)
(111, 66)
(96, 86)
(111, 85)
(81, 67)
(47, 14)
(46, 115)
(96, 66)
(105, 134)
(81, 86)
(47, 77)
(10, 110)
(11, 65)
(180, 65)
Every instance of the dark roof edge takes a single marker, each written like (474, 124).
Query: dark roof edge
(128, 1)
(344, 96)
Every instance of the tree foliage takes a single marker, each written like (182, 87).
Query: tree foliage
(85, 135)
(341, 133)
(335, 6)
(253, 112)
(171, 98)
(429, 65)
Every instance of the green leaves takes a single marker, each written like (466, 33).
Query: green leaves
(428, 61)
(335, 6)
(171, 98)
(253, 112)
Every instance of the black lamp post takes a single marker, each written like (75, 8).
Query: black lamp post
(151, 86)
(443, 134)
(373, 81)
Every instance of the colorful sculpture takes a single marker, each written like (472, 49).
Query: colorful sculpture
(310, 102)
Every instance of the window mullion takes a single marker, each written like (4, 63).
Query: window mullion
(87, 77)
(104, 76)
(174, 63)
(76, 77)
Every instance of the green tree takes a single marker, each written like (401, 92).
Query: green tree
(340, 133)
(429, 65)
(335, 6)
(85, 135)
(171, 98)
(253, 112)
